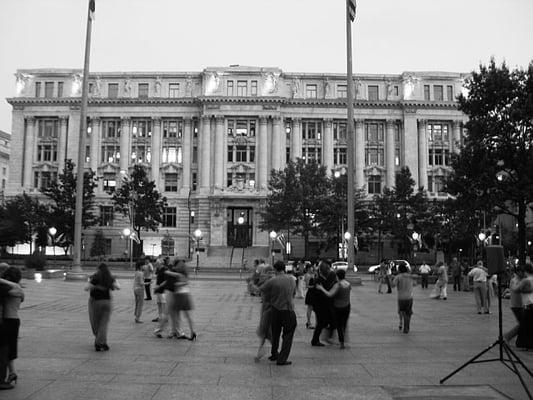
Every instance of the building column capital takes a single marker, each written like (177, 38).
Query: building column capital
(125, 120)
(95, 120)
(422, 122)
(30, 119)
(187, 121)
(359, 121)
(277, 120)
(263, 120)
(297, 120)
(206, 118)
(456, 123)
(219, 119)
(328, 122)
(156, 121)
(391, 122)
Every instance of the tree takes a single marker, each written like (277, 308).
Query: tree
(63, 195)
(295, 199)
(20, 220)
(99, 246)
(138, 199)
(494, 168)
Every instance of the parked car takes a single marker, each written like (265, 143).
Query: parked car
(342, 265)
(374, 268)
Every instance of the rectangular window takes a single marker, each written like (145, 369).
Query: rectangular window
(87, 154)
(397, 156)
(169, 217)
(141, 153)
(374, 156)
(171, 182)
(374, 132)
(171, 154)
(339, 130)
(311, 91)
(112, 90)
(110, 128)
(47, 152)
(172, 129)
(230, 88)
(194, 181)
(111, 153)
(195, 155)
(195, 129)
(48, 128)
(449, 90)
(141, 128)
(142, 91)
(42, 180)
(230, 153)
(60, 89)
(110, 181)
(174, 90)
(312, 130)
(437, 93)
(48, 89)
(396, 91)
(373, 92)
(374, 184)
(242, 88)
(106, 215)
(339, 155)
(426, 92)
(37, 89)
(342, 91)
(252, 154)
(253, 88)
(240, 154)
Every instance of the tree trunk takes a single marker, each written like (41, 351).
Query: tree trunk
(306, 245)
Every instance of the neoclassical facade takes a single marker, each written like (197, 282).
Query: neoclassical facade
(210, 139)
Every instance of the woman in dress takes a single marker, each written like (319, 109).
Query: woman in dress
(12, 277)
(340, 292)
(138, 290)
(310, 295)
(524, 339)
(100, 286)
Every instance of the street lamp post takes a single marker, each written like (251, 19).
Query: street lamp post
(197, 237)
(52, 231)
(273, 236)
(127, 234)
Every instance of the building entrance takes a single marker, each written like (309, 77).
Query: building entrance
(239, 226)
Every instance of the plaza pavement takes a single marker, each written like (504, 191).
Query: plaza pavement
(57, 358)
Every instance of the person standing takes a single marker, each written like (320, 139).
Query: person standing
(524, 339)
(456, 270)
(424, 274)
(404, 281)
(310, 294)
(442, 280)
(340, 292)
(479, 276)
(138, 291)
(264, 330)
(100, 286)
(159, 289)
(280, 290)
(148, 271)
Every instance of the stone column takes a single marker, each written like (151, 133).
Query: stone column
(62, 144)
(296, 139)
(456, 135)
(205, 149)
(31, 132)
(95, 144)
(283, 145)
(276, 143)
(390, 150)
(422, 154)
(186, 165)
(410, 143)
(219, 152)
(359, 154)
(327, 146)
(125, 144)
(262, 153)
(16, 159)
(156, 151)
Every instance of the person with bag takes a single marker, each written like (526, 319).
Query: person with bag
(100, 286)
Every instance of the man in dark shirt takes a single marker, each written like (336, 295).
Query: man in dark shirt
(323, 306)
(280, 291)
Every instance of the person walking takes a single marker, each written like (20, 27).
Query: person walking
(148, 272)
(280, 290)
(424, 271)
(404, 281)
(479, 276)
(100, 286)
(138, 291)
(524, 339)
(340, 293)
(456, 270)
(441, 285)
(515, 302)
(12, 277)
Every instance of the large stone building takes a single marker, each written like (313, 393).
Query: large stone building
(210, 139)
(5, 150)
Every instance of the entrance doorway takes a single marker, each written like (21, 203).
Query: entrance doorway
(239, 226)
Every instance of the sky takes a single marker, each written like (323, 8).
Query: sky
(389, 36)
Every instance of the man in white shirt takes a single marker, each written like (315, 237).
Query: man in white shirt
(424, 274)
(479, 275)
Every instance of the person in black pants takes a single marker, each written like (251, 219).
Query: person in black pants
(323, 305)
(280, 291)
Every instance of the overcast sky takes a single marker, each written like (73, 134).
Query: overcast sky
(390, 36)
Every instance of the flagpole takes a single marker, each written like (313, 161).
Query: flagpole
(76, 271)
(350, 138)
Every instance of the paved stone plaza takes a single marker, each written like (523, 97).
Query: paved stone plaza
(57, 358)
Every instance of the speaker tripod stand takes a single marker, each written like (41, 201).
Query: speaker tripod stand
(510, 361)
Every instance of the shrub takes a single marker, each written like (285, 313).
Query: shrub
(35, 261)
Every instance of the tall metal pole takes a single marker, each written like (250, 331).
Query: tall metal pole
(350, 139)
(76, 265)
